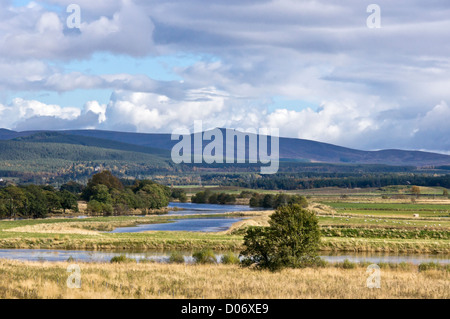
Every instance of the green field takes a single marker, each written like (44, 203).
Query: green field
(356, 223)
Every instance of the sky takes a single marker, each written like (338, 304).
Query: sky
(314, 69)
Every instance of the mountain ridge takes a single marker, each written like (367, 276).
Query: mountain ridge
(290, 148)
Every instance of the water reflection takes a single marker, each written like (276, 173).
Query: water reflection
(163, 256)
(209, 224)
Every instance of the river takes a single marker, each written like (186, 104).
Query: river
(202, 224)
(41, 255)
(206, 224)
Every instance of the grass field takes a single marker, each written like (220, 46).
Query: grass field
(165, 281)
(352, 224)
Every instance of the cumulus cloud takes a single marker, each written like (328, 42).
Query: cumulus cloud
(33, 32)
(343, 123)
(26, 115)
(368, 88)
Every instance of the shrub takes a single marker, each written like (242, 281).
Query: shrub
(405, 266)
(275, 201)
(291, 240)
(347, 264)
(230, 258)
(205, 256)
(176, 258)
(122, 259)
(322, 263)
(97, 207)
(429, 266)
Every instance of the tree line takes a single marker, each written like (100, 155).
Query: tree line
(34, 201)
(309, 181)
(105, 194)
(208, 197)
(276, 201)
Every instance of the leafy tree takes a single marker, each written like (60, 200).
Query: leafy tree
(36, 203)
(105, 178)
(224, 198)
(154, 196)
(271, 201)
(213, 199)
(53, 201)
(72, 187)
(201, 197)
(299, 200)
(14, 200)
(68, 201)
(291, 240)
(268, 201)
(256, 201)
(99, 208)
(101, 194)
(179, 194)
(415, 190)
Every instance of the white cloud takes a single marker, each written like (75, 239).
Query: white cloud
(32, 32)
(375, 88)
(20, 110)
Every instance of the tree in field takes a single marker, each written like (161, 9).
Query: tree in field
(36, 204)
(179, 194)
(154, 196)
(14, 200)
(53, 201)
(291, 240)
(445, 192)
(415, 190)
(101, 200)
(105, 178)
(68, 201)
(100, 193)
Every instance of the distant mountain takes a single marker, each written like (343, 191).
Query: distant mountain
(290, 149)
(66, 138)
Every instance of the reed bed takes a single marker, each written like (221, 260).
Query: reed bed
(26, 280)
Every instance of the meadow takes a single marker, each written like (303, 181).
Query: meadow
(27, 280)
(349, 223)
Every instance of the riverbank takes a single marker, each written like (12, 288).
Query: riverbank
(89, 234)
(27, 280)
(218, 242)
(353, 229)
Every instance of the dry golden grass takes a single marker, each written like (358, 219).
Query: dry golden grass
(254, 218)
(48, 280)
(59, 228)
(80, 227)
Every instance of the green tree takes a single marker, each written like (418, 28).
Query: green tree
(68, 201)
(36, 205)
(179, 194)
(72, 187)
(291, 240)
(99, 208)
(14, 200)
(100, 193)
(415, 190)
(268, 201)
(53, 201)
(105, 178)
(154, 196)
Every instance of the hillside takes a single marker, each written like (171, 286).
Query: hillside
(290, 149)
